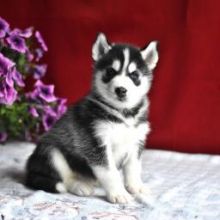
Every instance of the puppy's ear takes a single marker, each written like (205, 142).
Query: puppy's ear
(100, 47)
(150, 55)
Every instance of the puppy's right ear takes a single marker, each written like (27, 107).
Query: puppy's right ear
(100, 47)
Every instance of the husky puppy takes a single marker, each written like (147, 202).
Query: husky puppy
(102, 133)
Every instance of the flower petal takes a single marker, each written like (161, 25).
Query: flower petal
(32, 110)
(41, 41)
(48, 121)
(17, 43)
(4, 27)
(17, 77)
(39, 71)
(26, 33)
(5, 65)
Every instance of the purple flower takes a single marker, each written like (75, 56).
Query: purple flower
(9, 79)
(48, 120)
(41, 41)
(17, 77)
(1, 91)
(3, 136)
(49, 117)
(39, 54)
(32, 110)
(39, 71)
(41, 93)
(30, 56)
(32, 96)
(45, 92)
(14, 76)
(49, 110)
(8, 94)
(5, 65)
(26, 33)
(4, 27)
(17, 43)
(61, 107)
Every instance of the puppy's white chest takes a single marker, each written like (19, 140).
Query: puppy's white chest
(120, 138)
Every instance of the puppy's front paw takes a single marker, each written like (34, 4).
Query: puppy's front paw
(138, 189)
(119, 197)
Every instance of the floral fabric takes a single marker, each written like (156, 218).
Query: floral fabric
(183, 187)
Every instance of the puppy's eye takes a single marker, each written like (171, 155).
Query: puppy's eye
(109, 74)
(134, 75)
(110, 71)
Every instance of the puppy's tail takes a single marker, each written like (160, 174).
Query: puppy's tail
(41, 175)
(46, 183)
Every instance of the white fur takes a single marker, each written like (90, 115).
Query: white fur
(132, 176)
(60, 187)
(122, 139)
(126, 60)
(81, 187)
(116, 65)
(71, 181)
(150, 55)
(122, 143)
(62, 167)
(110, 179)
(132, 67)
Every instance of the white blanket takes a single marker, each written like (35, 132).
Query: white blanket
(183, 187)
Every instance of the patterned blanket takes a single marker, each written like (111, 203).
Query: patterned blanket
(184, 186)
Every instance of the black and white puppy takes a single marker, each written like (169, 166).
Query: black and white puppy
(102, 133)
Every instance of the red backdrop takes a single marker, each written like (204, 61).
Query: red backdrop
(185, 98)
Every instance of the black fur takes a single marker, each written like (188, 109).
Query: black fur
(86, 150)
(134, 76)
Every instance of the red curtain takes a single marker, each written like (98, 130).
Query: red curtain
(185, 97)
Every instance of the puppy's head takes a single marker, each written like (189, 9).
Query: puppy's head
(122, 73)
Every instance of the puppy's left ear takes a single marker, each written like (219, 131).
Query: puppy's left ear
(150, 55)
(100, 47)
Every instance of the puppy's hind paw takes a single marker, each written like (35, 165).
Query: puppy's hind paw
(120, 197)
(82, 189)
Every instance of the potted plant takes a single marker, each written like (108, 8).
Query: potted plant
(25, 112)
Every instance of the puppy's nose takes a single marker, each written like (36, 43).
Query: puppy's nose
(121, 92)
